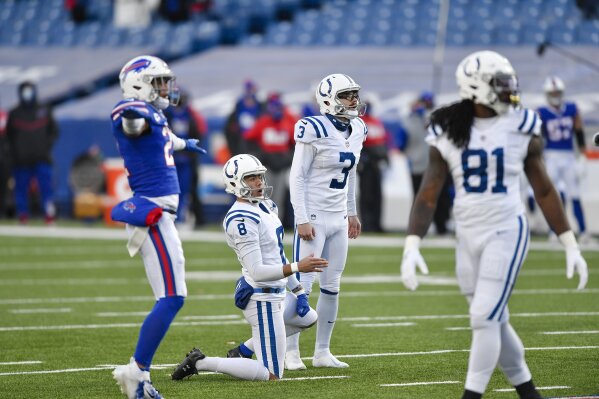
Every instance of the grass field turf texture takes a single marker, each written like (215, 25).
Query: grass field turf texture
(71, 310)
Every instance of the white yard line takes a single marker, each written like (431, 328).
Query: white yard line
(116, 325)
(324, 377)
(436, 352)
(569, 332)
(19, 363)
(40, 310)
(538, 388)
(102, 233)
(375, 325)
(457, 328)
(412, 384)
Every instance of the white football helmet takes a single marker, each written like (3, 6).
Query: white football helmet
(488, 78)
(143, 78)
(327, 96)
(234, 173)
(554, 89)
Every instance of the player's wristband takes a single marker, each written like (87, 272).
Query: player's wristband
(568, 239)
(411, 242)
(294, 268)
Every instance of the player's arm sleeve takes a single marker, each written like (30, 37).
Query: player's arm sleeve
(351, 193)
(134, 127)
(178, 143)
(244, 231)
(302, 161)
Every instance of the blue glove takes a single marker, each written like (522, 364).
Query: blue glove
(303, 307)
(194, 146)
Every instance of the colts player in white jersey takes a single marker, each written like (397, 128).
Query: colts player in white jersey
(322, 187)
(146, 145)
(254, 231)
(485, 141)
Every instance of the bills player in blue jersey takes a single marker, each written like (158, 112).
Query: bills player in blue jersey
(323, 194)
(561, 125)
(486, 141)
(254, 231)
(146, 144)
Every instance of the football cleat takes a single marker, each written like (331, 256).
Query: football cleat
(188, 365)
(326, 359)
(145, 390)
(236, 352)
(135, 383)
(293, 361)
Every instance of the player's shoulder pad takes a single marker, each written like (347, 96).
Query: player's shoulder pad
(528, 121)
(136, 108)
(239, 215)
(268, 205)
(309, 129)
(361, 124)
(434, 130)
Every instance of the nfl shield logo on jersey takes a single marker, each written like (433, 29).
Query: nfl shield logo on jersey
(129, 206)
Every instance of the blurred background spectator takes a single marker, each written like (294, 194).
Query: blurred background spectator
(4, 164)
(245, 113)
(134, 13)
(187, 123)
(271, 140)
(416, 150)
(31, 132)
(370, 171)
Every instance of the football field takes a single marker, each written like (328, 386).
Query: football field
(71, 308)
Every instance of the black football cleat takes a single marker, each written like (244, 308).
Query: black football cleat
(188, 365)
(236, 352)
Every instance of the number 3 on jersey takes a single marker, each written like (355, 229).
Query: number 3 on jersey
(344, 156)
(481, 158)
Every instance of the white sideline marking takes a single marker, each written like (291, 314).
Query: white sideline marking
(40, 310)
(569, 332)
(23, 362)
(385, 324)
(346, 294)
(538, 388)
(411, 384)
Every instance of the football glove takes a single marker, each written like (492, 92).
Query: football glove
(193, 145)
(575, 262)
(302, 307)
(574, 259)
(412, 259)
(134, 112)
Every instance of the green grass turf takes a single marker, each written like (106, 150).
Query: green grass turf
(92, 278)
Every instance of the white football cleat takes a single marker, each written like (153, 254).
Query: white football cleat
(135, 383)
(293, 361)
(326, 359)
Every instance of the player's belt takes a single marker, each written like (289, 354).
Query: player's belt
(269, 290)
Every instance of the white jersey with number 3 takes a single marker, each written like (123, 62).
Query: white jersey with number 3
(322, 179)
(487, 173)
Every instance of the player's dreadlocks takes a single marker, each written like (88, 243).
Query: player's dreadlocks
(456, 120)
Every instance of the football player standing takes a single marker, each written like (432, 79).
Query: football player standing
(485, 141)
(322, 185)
(146, 144)
(561, 125)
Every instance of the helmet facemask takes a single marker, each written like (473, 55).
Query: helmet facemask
(348, 111)
(253, 194)
(164, 90)
(504, 87)
(555, 98)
